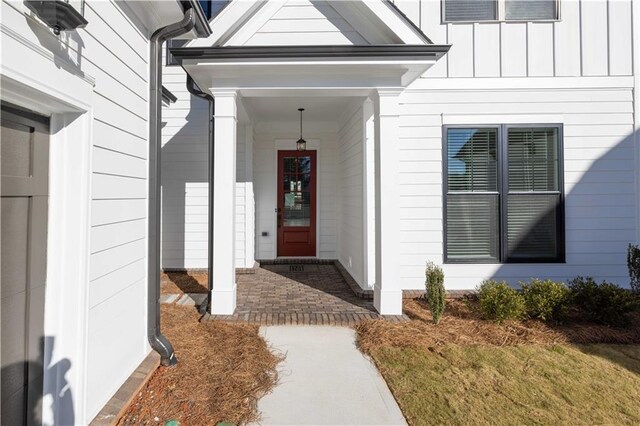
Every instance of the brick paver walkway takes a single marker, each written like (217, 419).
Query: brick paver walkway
(299, 294)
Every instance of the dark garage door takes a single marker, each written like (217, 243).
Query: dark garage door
(24, 197)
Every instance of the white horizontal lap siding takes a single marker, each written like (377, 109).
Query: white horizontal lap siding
(241, 198)
(115, 53)
(265, 189)
(351, 195)
(592, 38)
(598, 173)
(185, 163)
(184, 176)
(306, 22)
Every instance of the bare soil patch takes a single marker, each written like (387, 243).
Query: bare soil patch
(223, 370)
(183, 282)
(462, 325)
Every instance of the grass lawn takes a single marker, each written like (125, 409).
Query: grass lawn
(470, 371)
(454, 384)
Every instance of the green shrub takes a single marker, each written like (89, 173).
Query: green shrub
(545, 300)
(604, 303)
(499, 302)
(633, 263)
(435, 291)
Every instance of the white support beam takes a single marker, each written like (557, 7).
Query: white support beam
(223, 294)
(387, 297)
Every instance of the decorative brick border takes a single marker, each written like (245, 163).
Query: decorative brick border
(115, 408)
(451, 294)
(239, 271)
(336, 320)
(355, 287)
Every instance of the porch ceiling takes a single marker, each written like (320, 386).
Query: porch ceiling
(284, 109)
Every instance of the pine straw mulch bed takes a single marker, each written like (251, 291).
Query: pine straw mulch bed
(183, 282)
(222, 371)
(461, 324)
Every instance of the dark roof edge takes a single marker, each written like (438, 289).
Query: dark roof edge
(202, 23)
(409, 21)
(308, 52)
(167, 96)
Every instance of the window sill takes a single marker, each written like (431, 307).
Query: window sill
(509, 21)
(513, 262)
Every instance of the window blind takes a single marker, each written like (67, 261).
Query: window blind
(533, 159)
(503, 194)
(532, 226)
(472, 227)
(533, 203)
(470, 10)
(472, 165)
(527, 10)
(472, 200)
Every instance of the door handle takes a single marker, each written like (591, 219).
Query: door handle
(279, 220)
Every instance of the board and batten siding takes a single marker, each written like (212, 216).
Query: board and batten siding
(185, 162)
(591, 38)
(351, 240)
(570, 71)
(599, 174)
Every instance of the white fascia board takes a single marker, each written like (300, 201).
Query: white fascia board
(367, 24)
(394, 21)
(228, 22)
(234, 25)
(325, 73)
(258, 19)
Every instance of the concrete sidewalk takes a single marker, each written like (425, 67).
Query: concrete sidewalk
(325, 380)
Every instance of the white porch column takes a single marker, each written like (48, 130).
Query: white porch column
(223, 294)
(249, 201)
(387, 296)
(369, 185)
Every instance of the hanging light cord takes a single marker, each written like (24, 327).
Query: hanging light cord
(300, 109)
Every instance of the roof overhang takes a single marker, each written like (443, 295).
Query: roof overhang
(290, 67)
(154, 14)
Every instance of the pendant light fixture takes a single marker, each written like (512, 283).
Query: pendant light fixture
(301, 145)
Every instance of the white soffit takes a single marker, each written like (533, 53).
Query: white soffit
(154, 14)
(377, 21)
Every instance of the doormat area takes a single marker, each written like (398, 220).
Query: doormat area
(296, 267)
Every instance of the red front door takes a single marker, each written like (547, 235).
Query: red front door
(296, 203)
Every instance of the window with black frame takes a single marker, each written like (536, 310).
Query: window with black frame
(503, 194)
(499, 10)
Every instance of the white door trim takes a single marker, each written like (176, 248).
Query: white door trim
(68, 234)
